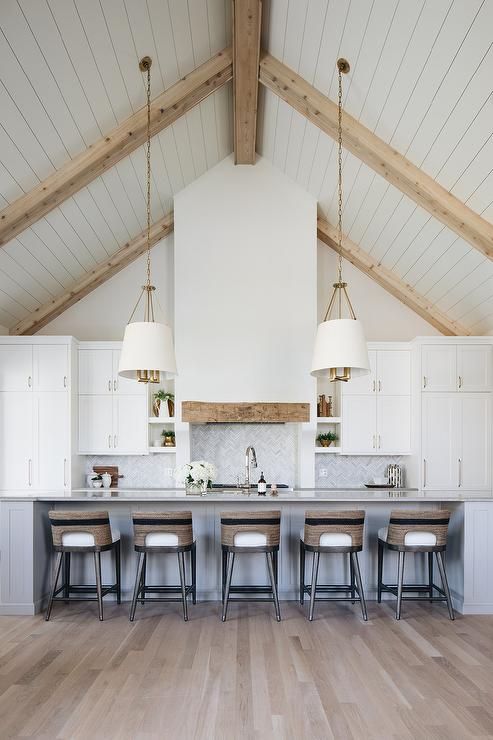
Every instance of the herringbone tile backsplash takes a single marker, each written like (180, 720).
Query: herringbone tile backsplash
(348, 471)
(224, 445)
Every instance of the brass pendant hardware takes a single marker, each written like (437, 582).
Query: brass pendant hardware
(145, 64)
(343, 65)
(343, 377)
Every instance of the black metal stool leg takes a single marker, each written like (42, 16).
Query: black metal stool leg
(181, 566)
(193, 558)
(316, 558)
(230, 563)
(352, 578)
(97, 567)
(66, 575)
(118, 569)
(400, 583)
(143, 580)
(224, 571)
(443, 576)
(359, 584)
(58, 565)
(380, 571)
(302, 572)
(271, 567)
(430, 575)
(138, 577)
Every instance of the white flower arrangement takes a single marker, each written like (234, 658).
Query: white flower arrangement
(196, 474)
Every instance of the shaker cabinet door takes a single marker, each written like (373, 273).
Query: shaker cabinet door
(16, 442)
(50, 367)
(475, 442)
(359, 424)
(394, 425)
(130, 425)
(96, 425)
(440, 441)
(363, 384)
(96, 371)
(474, 367)
(52, 434)
(439, 368)
(16, 367)
(394, 372)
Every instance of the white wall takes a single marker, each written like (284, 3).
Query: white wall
(245, 271)
(384, 317)
(3, 330)
(104, 313)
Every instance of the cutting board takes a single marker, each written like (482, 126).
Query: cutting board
(112, 470)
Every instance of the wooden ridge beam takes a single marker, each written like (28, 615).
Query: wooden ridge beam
(247, 19)
(93, 279)
(119, 143)
(389, 281)
(378, 155)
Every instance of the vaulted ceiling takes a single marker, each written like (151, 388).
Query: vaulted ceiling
(420, 79)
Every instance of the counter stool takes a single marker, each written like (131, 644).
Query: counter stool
(159, 533)
(415, 531)
(332, 532)
(85, 532)
(247, 532)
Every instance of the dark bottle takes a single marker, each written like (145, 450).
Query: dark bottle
(262, 485)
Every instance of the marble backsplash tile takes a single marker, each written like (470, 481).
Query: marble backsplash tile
(139, 471)
(224, 445)
(347, 471)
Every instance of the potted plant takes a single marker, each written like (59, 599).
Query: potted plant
(168, 437)
(326, 439)
(164, 402)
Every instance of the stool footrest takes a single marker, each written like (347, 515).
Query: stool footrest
(250, 590)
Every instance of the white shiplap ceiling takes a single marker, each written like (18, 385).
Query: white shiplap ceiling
(421, 78)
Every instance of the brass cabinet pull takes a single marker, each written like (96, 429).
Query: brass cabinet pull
(114, 385)
(460, 472)
(460, 381)
(115, 439)
(424, 473)
(374, 386)
(109, 440)
(29, 471)
(29, 382)
(109, 385)
(64, 381)
(424, 381)
(379, 386)
(379, 442)
(374, 441)
(64, 472)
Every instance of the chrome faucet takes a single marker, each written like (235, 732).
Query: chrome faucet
(250, 458)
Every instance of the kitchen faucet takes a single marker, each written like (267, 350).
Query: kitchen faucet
(250, 457)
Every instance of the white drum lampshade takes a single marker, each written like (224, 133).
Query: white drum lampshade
(147, 346)
(340, 344)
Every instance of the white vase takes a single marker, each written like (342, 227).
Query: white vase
(106, 480)
(163, 410)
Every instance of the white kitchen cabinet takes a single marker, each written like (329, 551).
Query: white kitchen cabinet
(96, 371)
(95, 424)
(51, 439)
(393, 425)
(456, 441)
(359, 425)
(16, 441)
(50, 367)
(393, 372)
(129, 424)
(113, 425)
(456, 367)
(16, 367)
(364, 384)
(475, 442)
(474, 367)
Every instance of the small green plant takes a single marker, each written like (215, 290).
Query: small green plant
(164, 396)
(168, 433)
(327, 438)
(97, 477)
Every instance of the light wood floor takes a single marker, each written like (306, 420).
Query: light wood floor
(74, 677)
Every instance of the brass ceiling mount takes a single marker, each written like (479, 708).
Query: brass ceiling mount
(145, 64)
(343, 65)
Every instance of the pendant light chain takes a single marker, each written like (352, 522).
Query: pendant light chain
(339, 162)
(148, 172)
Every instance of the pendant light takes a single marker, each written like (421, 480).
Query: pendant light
(147, 350)
(340, 348)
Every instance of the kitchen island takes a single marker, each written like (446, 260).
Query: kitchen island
(25, 565)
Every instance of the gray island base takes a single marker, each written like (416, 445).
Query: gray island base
(26, 557)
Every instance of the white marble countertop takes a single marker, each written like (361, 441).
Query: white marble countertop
(289, 496)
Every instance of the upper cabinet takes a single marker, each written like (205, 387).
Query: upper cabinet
(98, 374)
(390, 375)
(456, 367)
(16, 367)
(39, 367)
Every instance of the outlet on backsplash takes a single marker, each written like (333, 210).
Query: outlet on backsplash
(323, 473)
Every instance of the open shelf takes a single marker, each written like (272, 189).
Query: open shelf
(163, 421)
(162, 450)
(328, 419)
(327, 450)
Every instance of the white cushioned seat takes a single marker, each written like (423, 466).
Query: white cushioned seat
(250, 539)
(331, 539)
(161, 539)
(412, 539)
(85, 539)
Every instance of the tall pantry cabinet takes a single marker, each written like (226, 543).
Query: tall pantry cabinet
(456, 385)
(37, 405)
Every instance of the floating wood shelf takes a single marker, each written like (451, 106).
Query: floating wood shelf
(203, 412)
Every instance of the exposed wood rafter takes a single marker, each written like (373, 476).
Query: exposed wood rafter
(119, 143)
(378, 155)
(247, 18)
(93, 279)
(389, 281)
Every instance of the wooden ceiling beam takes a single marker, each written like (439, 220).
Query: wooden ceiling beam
(119, 143)
(378, 155)
(93, 279)
(389, 281)
(247, 19)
